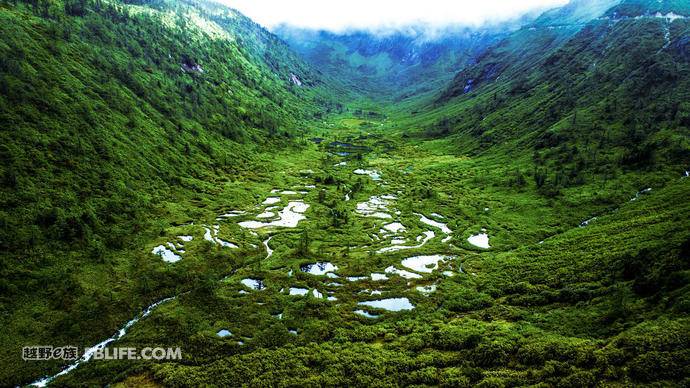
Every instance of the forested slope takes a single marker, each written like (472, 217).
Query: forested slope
(109, 111)
(608, 99)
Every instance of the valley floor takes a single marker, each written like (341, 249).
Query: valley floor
(370, 259)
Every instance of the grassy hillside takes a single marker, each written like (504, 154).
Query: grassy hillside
(114, 116)
(607, 100)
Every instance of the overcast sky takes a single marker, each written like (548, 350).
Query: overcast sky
(340, 15)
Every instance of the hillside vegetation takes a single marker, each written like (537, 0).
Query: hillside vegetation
(610, 99)
(507, 208)
(109, 111)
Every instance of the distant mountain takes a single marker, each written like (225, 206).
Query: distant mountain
(396, 64)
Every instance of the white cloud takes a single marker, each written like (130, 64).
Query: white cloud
(340, 15)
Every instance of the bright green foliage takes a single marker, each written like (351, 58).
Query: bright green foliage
(126, 125)
(609, 99)
(108, 110)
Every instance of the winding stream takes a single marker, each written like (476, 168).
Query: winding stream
(88, 354)
(269, 251)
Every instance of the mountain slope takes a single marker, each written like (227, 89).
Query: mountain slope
(110, 113)
(526, 47)
(608, 99)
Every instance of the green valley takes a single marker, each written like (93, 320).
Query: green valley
(513, 212)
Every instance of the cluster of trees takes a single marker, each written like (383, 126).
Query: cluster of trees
(361, 113)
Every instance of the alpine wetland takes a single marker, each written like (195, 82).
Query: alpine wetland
(265, 193)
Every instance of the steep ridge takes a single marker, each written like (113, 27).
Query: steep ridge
(526, 47)
(609, 98)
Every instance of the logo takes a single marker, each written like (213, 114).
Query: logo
(45, 353)
(71, 353)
